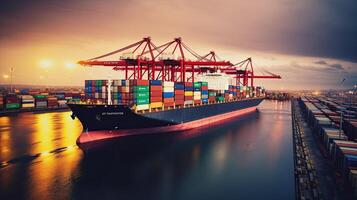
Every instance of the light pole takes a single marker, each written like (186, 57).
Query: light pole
(11, 73)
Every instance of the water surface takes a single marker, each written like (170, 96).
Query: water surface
(247, 158)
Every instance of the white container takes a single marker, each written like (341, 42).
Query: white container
(143, 107)
(168, 89)
(188, 102)
(168, 84)
(196, 97)
(62, 101)
(197, 93)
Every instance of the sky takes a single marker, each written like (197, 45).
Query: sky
(311, 44)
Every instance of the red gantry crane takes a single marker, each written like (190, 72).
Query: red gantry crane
(145, 60)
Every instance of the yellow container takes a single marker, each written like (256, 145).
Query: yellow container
(156, 105)
(188, 93)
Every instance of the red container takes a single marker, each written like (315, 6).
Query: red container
(178, 92)
(168, 100)
(188, 84)
(211, 98)
(155, 99)
(179, 97)
(179, 102)
(196, 101)
(169, 104)
(139, 82)
(156, 88)
(155, 93)
(188, 98)
(204, 87)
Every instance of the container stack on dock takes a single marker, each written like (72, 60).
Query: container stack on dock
(324, 119)
(179, 93)
(40, 101)
(188, 93)
(140, 94)
(12, 102)
(1, 101)
(27, 101)
(156, 94)
(52, 102)
(168, 94)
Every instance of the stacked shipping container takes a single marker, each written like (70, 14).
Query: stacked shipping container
(168, 94)
(27, 101)
(12, 102)
(188, 93)
(156, 94)
(179, 93)
(1, 101)
(139, 94)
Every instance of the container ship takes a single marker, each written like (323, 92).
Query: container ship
(159, 93)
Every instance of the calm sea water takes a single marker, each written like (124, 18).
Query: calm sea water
(246, 158)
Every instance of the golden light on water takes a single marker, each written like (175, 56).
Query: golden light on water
(44, 133)
(5, 143)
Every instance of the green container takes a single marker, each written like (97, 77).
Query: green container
(204, 83)
(39, 96)
(98, 82)
(196, 85)
(115, 95)
(142, 101)
(12, 106)
(141, 89)
(142, 95)
(211, 94)
(219, 98)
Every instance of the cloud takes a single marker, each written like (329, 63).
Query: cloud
(331, 67)
(336, 66)
(321, 62)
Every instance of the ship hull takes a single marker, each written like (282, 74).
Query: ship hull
(103, 122)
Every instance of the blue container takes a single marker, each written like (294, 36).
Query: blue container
(25, 91)
(188, 88)
(123, 82)
(168, 94)
(238, 87)
(197, 89)
(155, 82)
(227, 92)
(204, 92)
(230, 86)
(234, 93)
(179, 83)
(204, 100)
(179, 87)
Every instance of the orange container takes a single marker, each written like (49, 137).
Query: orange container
(169, 104)
(179, 102)
(168, 100)
(178, 92)
(156, 88)
(155, 99)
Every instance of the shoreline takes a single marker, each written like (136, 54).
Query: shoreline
(33, 110)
